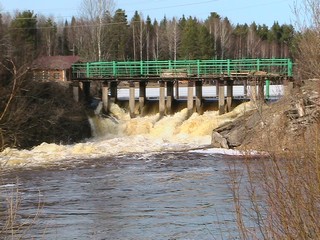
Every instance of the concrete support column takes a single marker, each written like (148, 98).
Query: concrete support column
(245, 88)
(105, 96)
(221, 98)
(76, 91)
(199, 97)
(86, 91)
(229, 95)
(132, 99)
(261, 89)
(162, 100)
(177, 89)
(169, 96)
(217, 88)
(142, 96)
(253, 90)
(113, 91)
(190, 98)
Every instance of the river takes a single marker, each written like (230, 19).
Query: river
(143, 178)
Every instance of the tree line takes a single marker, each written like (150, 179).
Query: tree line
(103, 35)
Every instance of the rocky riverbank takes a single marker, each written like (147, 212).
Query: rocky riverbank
(279, 126)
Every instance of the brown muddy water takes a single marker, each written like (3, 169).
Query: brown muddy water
(172, 195)
(135, 179)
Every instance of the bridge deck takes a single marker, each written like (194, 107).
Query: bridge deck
(182, 69)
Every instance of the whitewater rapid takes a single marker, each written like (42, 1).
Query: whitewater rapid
(120, 135)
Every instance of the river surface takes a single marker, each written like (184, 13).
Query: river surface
(142, 178)
(173, 195)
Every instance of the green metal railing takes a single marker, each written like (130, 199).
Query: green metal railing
(181, 68)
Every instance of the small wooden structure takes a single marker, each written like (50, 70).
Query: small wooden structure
(53, 68)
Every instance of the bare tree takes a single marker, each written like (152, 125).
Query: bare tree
(173, 38)
(93, 13)
(308, 24)
(225, 36)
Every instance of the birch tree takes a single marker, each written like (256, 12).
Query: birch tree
(225, 37)
(173, 38)
(93, 13)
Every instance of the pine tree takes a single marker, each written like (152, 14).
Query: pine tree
(23, 34)
(206, 46)
(119, 32)
(189, 48)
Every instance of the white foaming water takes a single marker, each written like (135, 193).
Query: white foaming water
(120, 135)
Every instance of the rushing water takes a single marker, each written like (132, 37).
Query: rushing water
(136, 179)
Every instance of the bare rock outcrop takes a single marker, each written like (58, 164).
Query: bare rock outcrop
(275, 125)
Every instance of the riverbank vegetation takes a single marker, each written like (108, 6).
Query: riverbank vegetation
(284, 188)
(35, 112)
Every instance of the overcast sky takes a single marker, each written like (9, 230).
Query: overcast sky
(238, 11)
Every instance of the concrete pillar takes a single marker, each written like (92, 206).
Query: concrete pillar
(229, 95)
(162, 100)
(199, 97)
(169, 96)
(190, 98)
(142, 96)
(105, 96)
(221, 98)
(177, 89)
(261, 89)
(113, 91)
(76, 91)
(132, 99)
(86, 90)
(245, 88)
(253, 90)
(217, 88)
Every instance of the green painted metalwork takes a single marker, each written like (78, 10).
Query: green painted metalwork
(267, 88)
(182, 68)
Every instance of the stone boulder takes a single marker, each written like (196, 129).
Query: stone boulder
(218, 141)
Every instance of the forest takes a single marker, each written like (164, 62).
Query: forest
(99, 34)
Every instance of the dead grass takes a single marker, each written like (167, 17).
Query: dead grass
(283, 188)
(13, 225)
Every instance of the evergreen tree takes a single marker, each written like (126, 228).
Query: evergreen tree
(263, 32)
(72, 37)
(119, 32)
(189, 48)
(23, 34)
(164, 53)
(63, 42)
(205, 42)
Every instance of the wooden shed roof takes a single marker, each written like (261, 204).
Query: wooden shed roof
(54, 62)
